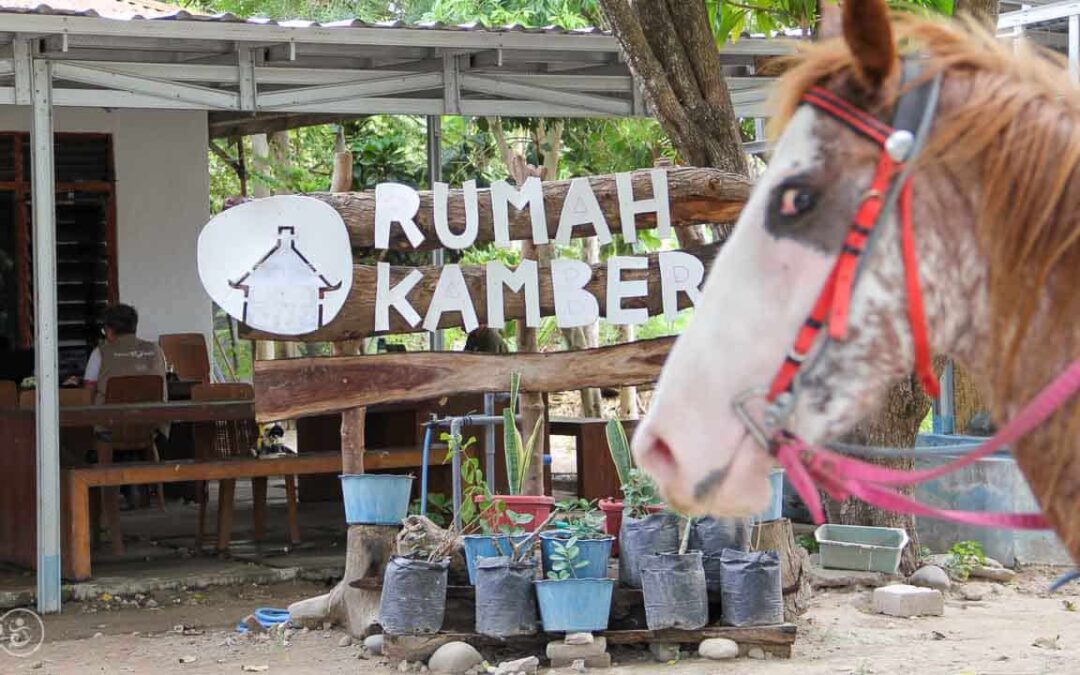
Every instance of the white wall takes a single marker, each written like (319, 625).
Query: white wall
(162, 201)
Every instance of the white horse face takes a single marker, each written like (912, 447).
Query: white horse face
(762, 287)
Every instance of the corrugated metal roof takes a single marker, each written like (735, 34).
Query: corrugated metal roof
(149, 9)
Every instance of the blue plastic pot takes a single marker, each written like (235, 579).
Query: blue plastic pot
(574, 605)
(376, 499)
(484, 546)
(776, 501)
(595, 552)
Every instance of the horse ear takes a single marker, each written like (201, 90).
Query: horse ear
(831, 22)
(869, 36)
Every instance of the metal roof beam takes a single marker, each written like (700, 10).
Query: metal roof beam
(499, 87)
(350, 90)
(1033, 15)
(163, 89)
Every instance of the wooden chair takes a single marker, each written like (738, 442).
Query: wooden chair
(224, 439)
(128, 438)
(69, 397)
(187, 355)
(9, 394)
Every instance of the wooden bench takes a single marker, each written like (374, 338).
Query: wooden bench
(77, 484)
(596, 474)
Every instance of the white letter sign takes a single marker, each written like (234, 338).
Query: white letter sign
(619, 288)
(581, 208)
(628, 207)
(472, 216)
(679, 272)
(387, 296)
(531, 196)
(574, 306)
(396, 203)
(451, 295)
(525, 277)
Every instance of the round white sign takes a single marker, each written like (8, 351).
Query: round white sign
(280, 264)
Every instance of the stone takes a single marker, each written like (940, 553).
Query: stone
(578, 666)
(718, 649)
(931, 576)
(374, 644)
(975, 591)
(756, 653)
(526, 666)
(559, 650)
(664, 652)
(579, 639)
(599, 661)
(454, 658)
(904, 601)
(826, 578)
(345, 641)
(992, 573)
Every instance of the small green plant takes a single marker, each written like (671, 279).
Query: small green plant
(965, 556)
(579, 519)
(565, 560)
(808, 542)
(440, 508)
(518, 453)
(640, 493)
(479, 514)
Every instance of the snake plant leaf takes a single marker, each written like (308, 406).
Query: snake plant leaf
(619, 447)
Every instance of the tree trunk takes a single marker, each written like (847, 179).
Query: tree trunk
(777, 535)
(895, 426)
(983, 11)
(967, 401)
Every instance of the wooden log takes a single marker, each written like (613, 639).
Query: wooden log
(777, 535)
(357, 317)
(696, 195)
(315, 386)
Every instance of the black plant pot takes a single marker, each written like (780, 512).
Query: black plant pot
(674, 588)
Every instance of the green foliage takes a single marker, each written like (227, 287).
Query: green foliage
(965, 556)
(580, 519)
(808, 542)
(440, 508)
(565, 559)
(518, 453)
(619, 447)
(480, 514)
(639, 493)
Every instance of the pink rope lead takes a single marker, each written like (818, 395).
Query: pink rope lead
(841, 476)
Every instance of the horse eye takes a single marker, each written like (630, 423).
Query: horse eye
(795, 201)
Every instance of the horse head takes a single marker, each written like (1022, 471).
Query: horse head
(769, 274)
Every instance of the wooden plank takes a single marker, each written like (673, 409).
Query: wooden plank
(141, 473)
(131, 413)
(357, 317)
(293, 388)
(696, 195)
(782, 634)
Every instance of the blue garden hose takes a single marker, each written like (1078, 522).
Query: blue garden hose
(267, 618)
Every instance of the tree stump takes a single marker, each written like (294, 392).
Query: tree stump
(777, 535)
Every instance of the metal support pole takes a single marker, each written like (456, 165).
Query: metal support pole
(455, 430)
(45, 342)
(1074, 47)
(489, 440)
(434, 158)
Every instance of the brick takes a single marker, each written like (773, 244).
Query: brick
(906, 601)
(557, 649)
(595, 661)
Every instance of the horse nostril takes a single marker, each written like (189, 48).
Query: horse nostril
(655, 456)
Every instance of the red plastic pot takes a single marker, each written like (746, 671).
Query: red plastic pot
(538, 506)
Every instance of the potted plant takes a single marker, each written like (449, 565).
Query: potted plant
(640, 496)
(567, 602)
(519, 456)
(579, 520)
(505, 599)
(674, 588)
(413, 599)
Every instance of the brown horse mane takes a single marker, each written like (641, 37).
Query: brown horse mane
(1019, 122)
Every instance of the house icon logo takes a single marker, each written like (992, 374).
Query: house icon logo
(282, 265)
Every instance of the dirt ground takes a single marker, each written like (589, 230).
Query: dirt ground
(1017, 630)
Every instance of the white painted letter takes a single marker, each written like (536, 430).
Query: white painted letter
(574, 306)
(580, 208)
(525, 276)
(472, 216)
(679, 271)
(530, 195)
(618, 288)
(396, 203)
(387, 296)
(451, 295)
(628, 207)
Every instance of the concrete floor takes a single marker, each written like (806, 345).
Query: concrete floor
(160, 550)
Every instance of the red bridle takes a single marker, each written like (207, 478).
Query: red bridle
(809, 466)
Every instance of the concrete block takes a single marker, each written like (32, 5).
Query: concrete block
(906, 601)
(558, 649)
(597, 661)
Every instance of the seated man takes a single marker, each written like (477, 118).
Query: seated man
(122, 354)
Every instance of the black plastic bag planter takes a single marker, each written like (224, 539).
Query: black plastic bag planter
(711, 536)
(674, 588)
(413, 598)
(505, 597)
(752, 593)
(639, 537)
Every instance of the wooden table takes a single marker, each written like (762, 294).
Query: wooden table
(596, 474)
(18, 461)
